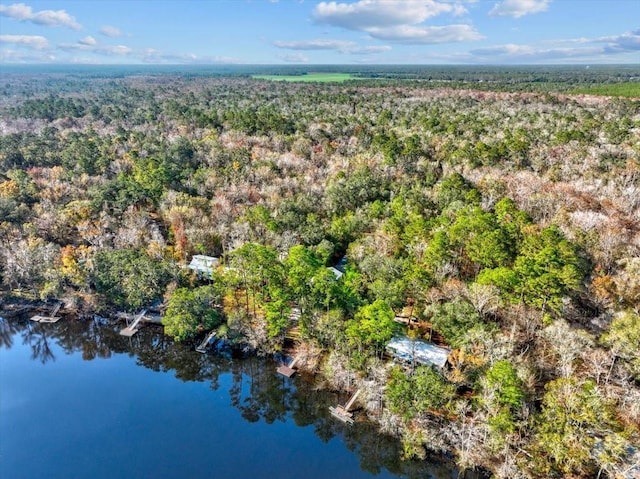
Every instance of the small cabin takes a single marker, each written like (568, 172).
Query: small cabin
(336, 272)
(339, 268)
(418, 351)
(204, 265)
(341, 265)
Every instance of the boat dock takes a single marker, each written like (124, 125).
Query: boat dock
(202, 348)
(342, 412)
(288, 370)
(131, 329)
(52, 318)
(292, 334)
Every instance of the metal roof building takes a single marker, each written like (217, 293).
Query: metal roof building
(407, 349)
(204, 265)
(339, 268)
(337, 273)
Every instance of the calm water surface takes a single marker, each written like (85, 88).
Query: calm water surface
(79, 401)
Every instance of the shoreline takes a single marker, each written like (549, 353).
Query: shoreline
(315, 367)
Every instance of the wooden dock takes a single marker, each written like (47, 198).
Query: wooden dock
(147, 318)
(52, 318)
(342, 412)
(45, 319)
(288, 370)
(131, 329)
(202, 348)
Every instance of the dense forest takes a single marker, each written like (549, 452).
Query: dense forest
(500, 219)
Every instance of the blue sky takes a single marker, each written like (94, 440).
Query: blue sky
(321, 32)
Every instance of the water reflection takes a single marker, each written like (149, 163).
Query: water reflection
(7, 330)
(36, 337)
(256, 391)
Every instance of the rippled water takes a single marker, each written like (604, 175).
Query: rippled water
(77, 401)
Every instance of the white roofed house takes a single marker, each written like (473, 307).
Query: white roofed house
(339, 268)
(337, 273)
(203, 265)
(416, 351)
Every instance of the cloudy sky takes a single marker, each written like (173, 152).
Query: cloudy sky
(321, 32)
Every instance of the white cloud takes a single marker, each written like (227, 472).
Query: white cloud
(366, 14)
(153, 56)
(15, 56)
(410, 34)
(504, 50)
(17, 11)
(86, 45)
(50, 18)
(88, 40)
(512, 53)
(459, 10)
(582, 49)
(85, 61)
(109, 31)
(369, 50)
(334, 45)
(294, 58)
(314, 45)
(397, 21)
(629, 41)
(518, 8)
(115, 50)
(30, 41)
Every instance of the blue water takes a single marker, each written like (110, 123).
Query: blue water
(63, 416)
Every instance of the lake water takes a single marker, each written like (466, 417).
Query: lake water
(79, 401)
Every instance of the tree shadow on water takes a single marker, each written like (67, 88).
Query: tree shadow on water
(35, 336)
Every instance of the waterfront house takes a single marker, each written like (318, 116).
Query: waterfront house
(417, 351)
(204, 265)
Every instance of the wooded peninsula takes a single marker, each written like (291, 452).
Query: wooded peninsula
(492, 214)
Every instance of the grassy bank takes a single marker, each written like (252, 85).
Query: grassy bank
(629, 90)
